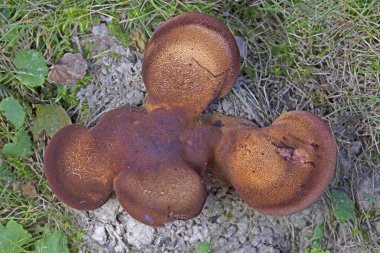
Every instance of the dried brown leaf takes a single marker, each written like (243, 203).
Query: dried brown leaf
(70, 69)
(29, 190)
(139, 39)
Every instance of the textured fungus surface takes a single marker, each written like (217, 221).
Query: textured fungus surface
(190, 61)
(155, 161)
(280, 169)
(158, 186)
(77, 171)
(157, 168)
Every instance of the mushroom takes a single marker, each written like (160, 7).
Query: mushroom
(155, 160)
(76, 169)
(280, 169)
(147, 159)
(190, 61)
(80, 164)
(158, 185)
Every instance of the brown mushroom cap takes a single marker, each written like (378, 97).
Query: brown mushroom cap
(226, 127)
(80, 164)
(191, 60)
(76, 169)
(161, 193)
(283, 168)
(114, 131)
(157, 185)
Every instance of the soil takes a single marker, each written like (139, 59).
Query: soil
(226, 221)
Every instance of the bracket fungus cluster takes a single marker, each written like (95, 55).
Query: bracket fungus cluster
(155, 159)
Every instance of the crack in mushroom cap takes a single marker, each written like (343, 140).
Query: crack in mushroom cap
(283, 168)
(76, 169)
(191, 60)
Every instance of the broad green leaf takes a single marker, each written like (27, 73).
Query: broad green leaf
(4, 171)
(317, 237)
(343, 207)
(21, 146)
(54, 242)
(13, 237)
(13, 111)
(32, 68)
(50, 118)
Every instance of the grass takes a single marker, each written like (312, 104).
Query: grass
(322, 56)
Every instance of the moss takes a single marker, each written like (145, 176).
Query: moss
(117, 30)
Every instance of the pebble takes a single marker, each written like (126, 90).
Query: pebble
(138, 234)
(99, 235)
(356, 146)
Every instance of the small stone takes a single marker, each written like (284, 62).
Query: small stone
(199, 233)
(256, 240)
(256, 230)
(246, 249)
(344, 161)
(242, 228)
(100, 30)
(356, 146)
(241, 44)
(267, 231)
(99, 235)
(108, 212)
(226, 105)
(231, 231)
(138, 234)
(262, 248)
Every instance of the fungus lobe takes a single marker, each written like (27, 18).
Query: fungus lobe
(280, 169)
(191, 60)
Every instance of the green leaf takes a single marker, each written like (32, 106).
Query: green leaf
(317, 237)
(50, 118)
(13, 111)
(22, 146)
(204, 247)
(13, 237)
(374, 201)
(32, 67)
(13, 32)
(4, 171)
(44, 230)
(4, 12)
(54, 242)
(343, 207)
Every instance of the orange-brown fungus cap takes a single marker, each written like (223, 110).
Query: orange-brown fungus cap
(285, 167)
(157, 185)
(227, 127)
(190, 60)
(76, 169)
(114, 131)
(161, 193)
